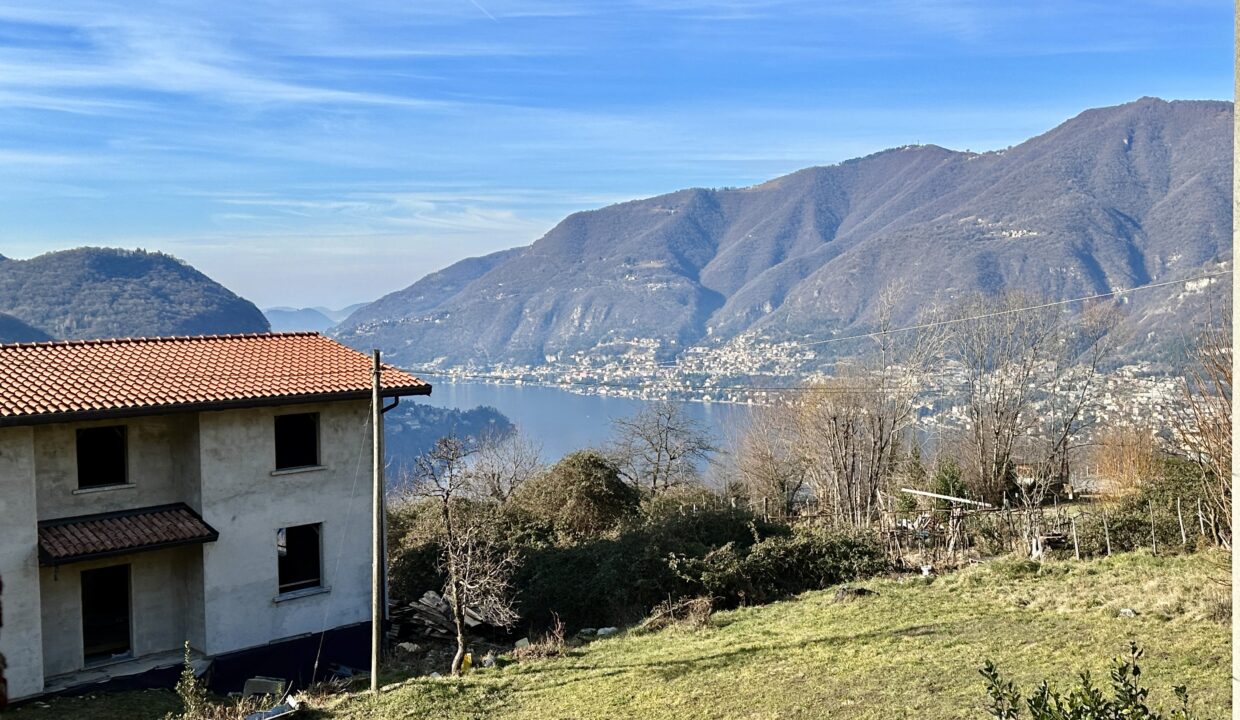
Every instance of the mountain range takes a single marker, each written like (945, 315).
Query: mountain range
(314, 319)
(1118, 197)
(88, 293)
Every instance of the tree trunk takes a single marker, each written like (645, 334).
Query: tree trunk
(458, 617)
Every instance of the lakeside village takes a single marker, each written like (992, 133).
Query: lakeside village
(751, 371)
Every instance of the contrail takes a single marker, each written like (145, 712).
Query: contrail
(484, 10)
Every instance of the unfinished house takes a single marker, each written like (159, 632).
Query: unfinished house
(154, 491)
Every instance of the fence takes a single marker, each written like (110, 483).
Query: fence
(946, 536)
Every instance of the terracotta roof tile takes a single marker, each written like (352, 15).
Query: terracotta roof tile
(93, 536)
(63, 378)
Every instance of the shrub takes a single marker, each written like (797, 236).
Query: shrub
(617, 579)
(783, 565)
(809, 559)
(550, 644)
(580, 497)
(1084, 702)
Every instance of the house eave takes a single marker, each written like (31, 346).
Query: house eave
(242, 403)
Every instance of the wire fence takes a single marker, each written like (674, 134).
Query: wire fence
(949, 535)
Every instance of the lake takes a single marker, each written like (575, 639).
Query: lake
(563, 421)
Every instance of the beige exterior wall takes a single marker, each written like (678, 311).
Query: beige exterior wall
(21, 637)
(246, 503)
(222, 596)
(163, 610)
(162, 458)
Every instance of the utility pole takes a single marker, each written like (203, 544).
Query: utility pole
(376, 526)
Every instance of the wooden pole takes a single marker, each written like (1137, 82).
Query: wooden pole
(1153, 536)
(1180, 515)
(376, 526)
(1106, 531)
(1076, 546)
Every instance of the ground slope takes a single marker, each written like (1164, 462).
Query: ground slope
(912, 651)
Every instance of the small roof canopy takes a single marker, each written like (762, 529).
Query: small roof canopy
(88, 537)
(87, 379)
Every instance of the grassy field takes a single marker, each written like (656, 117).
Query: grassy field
(911, 651)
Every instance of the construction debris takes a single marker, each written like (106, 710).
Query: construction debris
(430, 617)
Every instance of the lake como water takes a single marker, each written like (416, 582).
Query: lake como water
(562, 421)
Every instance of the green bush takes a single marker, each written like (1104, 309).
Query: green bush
(1127, 699)
(786, 565)
(581, 496)
(617, 579)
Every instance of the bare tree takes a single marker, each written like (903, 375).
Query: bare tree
(477, 569)
(1066, 396)
(1204, 427)
(1031, 384)
(1001, 344)
(853, 429)
(767, 460)
(502, 465)
(660, 447)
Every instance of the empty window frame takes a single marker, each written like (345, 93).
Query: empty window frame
(102, 456)
(297, 440)
(300, 555)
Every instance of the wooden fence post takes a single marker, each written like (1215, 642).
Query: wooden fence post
(1180, 515)
(1076, 546)
(1153, 535)
(1106, 531)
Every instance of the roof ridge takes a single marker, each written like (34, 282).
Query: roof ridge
(161, 339)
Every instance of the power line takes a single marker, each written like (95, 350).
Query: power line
(1013, 311)
(985, 316)
(819, 388)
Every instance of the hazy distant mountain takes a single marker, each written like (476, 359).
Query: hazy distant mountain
(1114, 198)
(13, 330)
(344, 312)
(287, 319)
(100, 292)
(315, 319)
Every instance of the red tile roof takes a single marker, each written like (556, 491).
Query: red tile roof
(117, 533)
(63, 380)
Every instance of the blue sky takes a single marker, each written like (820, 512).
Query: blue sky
(324, 153)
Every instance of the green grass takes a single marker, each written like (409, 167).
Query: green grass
(912, 651)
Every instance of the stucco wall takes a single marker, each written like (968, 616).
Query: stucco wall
(21, 637)
(247, 504)
(163, 466)
(161, 602)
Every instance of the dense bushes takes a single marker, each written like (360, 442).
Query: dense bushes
(784, 565)
(581, 496)
(618, 579)
(618, 573)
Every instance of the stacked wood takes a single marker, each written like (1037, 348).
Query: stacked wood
(428, 616)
